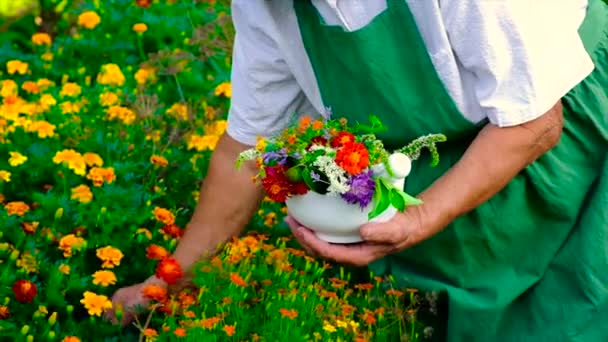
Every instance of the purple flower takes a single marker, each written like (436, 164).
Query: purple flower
(280, 157)
(315, 176)
(361, 189)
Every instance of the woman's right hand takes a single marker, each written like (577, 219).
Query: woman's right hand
(130, 301)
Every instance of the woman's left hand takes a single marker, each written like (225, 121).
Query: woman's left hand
(380, 239)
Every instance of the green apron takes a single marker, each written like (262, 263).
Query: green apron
(530, 264)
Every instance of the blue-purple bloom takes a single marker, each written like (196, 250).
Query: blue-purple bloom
(361, 189)
(280, 157)
(315, 176)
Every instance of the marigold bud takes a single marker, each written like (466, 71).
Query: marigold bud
(25, 329)
(53, 318)
(59, 213)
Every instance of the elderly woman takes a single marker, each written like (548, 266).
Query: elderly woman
(514, 225)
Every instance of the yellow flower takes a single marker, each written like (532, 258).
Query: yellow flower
(70, 339)
(140, 27)
(17, 208)
(41, 39)
(28, 263)
(111, 75)
(47, 101)
(74, 160)
(122, 113)
(216, 127)
(47, 56)
(201, 143)
(5, 176)
(68, 107)
(328, 327)
(16, 66)
(70, 89)
(95, 304)
(224, 89)
(260, 144)
(144, 74)
(154, 136)
(145, 232)
(89, 19)
(8, 88)
(92, 159)
(64, 269)
(82, 193)
(43, 128)
(108, 99)
(104, 278)
(44, 84)
(16, 159)
(70, 243)
(178, 111)
(109, 256)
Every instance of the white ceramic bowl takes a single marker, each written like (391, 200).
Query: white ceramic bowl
(336, 221)
(331, 218)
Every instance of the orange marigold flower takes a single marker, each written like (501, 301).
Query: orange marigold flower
(95, 304)
(156, 252)
(140, 27)
(209, 323)
(41, 38)
(104, 278)
(304, 122)
(393, 292)
(149, 332)
(5, 313)
(289, 313)
(100, 175)
(317, 125)
(237, 280)
(229, 329)
(29, 228)
(169, 270)
(70, 339)
(110, 256)
(30, 87)
(159, 161)
(156, 293)
(17, 66)
(179, 332)
(89, 20)
(17, 208)
(69, 243)
(24, 290)
(111, 74)
(82, 193)
(92, 159)
(353, 158)
(163, 215)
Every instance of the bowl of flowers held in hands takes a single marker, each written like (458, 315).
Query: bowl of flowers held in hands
(334, 178)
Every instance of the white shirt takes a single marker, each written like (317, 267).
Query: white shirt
(508, 61)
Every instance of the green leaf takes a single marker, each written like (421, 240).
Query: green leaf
(397, 200)
(311, 183)
(381, 199)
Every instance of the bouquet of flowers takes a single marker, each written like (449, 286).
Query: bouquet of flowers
(318, 165)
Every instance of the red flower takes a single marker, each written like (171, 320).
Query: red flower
(278, 187)
(173, 230)
(342, 139)
(318, 140)
(25, 291)
(143, 3)
(169, 270)
(353, 157)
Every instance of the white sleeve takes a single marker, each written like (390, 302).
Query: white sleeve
(265, 94)
(524, 56)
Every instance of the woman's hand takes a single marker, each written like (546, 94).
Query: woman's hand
(130, 301)
(404, 230)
